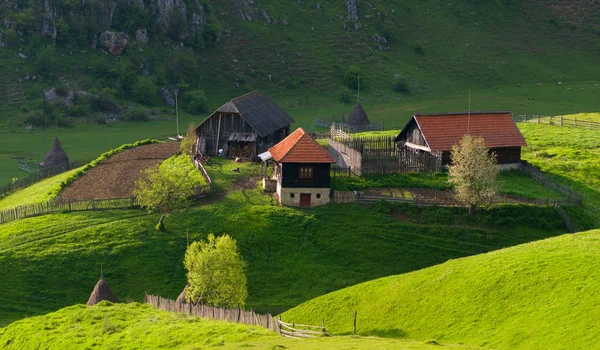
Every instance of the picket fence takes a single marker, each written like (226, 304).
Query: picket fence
(216, 313)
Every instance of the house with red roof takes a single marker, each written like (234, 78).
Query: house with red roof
(302, 170)
(436, 134)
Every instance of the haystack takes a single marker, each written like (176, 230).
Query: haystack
(181, 298)
(101, 292)
(57, 156)
(358, 116)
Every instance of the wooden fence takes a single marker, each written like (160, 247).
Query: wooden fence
(216, 313)
(36, 176)
(298, 331)
(566, 219)
(557, 120)
(380, 155)
(373, 126)
(61, 206)
(572, 197)
(200, 167)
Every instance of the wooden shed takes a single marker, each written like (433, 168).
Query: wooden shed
(243, 127)
(302, 170)
(436, 133)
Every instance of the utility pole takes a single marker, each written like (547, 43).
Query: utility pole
(469, 115)
(177, 113)
(359, 88)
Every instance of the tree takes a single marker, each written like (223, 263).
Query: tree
(215, 272)
(351, 76)
(188, 142)
(167, 187)
(473, 172)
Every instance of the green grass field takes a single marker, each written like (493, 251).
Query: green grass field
(541, 295)
(570, 156)
(293, 255)
(134, 326)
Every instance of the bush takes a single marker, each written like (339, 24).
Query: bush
(346, 95)
(401, 85)
(144, 90)
(195, 101)
(351, 76)
(419, 49)
(135, 114)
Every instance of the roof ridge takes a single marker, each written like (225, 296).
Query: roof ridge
(289, 150)
(244, 95)
(460, 113)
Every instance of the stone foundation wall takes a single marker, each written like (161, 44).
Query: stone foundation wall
(291, 196)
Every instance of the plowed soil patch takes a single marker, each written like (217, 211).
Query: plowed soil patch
(116, 176)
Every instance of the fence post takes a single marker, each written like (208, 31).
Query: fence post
(354, 322)
(561, 120)
(323, 325)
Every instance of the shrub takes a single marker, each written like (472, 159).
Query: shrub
(419, 49)
(346, 95)
(351, 76)
(144, 90)
(401, 85)
(136, 114)
(195, 101)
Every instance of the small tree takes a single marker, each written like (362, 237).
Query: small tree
(189, 140)
(473, 172)
(167, 188)
(216, 273)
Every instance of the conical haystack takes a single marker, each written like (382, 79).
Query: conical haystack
(101, 292)
(358, 116)
(181, 298)
(57, 156)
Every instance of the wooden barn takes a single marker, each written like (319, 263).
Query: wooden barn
(243, 127)
(302, 170)
(436, 133)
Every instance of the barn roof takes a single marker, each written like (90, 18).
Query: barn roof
(101, 292)
(259, 111)
(56, 156)
(443, 130)
(358, 116)
(300, 147)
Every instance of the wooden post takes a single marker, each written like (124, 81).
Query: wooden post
(323, 325)
(561, 120)
(575, 121)
(354, 322)
(218, 134)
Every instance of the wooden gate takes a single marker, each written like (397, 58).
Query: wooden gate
(304, 200)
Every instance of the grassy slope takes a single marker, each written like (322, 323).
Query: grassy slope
(134, 326)
(293, 255)
(39, 192)
(572, 157)
(535, 296)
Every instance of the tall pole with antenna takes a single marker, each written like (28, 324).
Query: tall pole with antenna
(358, 88)
(177, 113)
(469, 115)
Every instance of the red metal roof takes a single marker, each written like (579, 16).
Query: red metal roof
(300, 147)
(442, 131)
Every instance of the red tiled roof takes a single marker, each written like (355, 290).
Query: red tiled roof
(442, 131)
(300, 147)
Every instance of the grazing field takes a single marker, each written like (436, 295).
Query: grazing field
(541, 295)
(293, 255)
(42, 191)
(115, 177)
(572, 157)
(134, 326)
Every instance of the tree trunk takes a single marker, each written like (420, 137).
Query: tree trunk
(161, 225)
(471, 207)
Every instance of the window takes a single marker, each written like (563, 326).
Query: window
(318, 196)
(291, 195)
(306, 172)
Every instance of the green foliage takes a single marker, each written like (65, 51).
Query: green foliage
(195, 101)
(484, 299)
(351, 77)
(189, 141)
(437, 181)
(144, 90)
(136, 114)
(169, 186)
(45, 62)
(215, 273)
(401, 85)
(346, 96)
(131, 18)
(473, 172)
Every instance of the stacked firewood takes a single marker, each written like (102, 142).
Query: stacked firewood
(242, 150)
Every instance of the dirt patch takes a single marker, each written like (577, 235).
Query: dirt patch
(116, 176)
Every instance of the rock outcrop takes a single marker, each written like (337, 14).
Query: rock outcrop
(47, 20)
(352, 10)
(141, 35)
(167, 97)
(114, 43)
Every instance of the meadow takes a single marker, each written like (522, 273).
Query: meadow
(540, 295)
(134, 326)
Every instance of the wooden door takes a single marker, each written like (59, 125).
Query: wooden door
(304, 200)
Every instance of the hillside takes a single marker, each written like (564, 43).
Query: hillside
(539, 295)
(135, 326)
(411, 55)
(293, 255)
